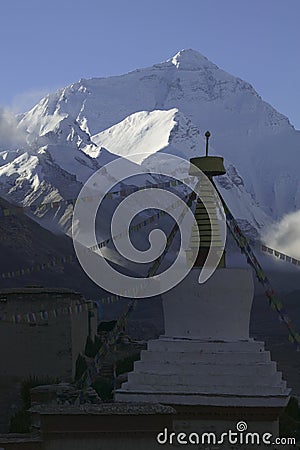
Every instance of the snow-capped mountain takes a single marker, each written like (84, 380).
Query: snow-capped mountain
(166, 107)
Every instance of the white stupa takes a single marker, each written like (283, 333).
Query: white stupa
(206, 365)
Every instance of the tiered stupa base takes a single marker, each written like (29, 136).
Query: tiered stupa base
(205, 365)
(195, 372)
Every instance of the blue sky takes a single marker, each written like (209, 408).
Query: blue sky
(46, 45)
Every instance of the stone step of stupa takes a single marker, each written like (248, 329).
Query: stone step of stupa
(203, 368)
(192, 345)
(198, 379)
(207, 358)
(212, 389)
(185, 397)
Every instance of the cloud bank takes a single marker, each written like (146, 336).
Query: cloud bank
(11, 137)
(285, 235)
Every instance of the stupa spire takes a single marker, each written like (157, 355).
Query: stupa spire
(211, 166)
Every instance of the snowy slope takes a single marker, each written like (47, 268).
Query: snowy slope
(139, 133)
(163, 107)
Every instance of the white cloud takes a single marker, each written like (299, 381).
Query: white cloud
(10, 136)
(285, 235)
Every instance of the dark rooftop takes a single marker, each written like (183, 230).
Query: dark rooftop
(104, 409)
(37, 290)
(19, 438)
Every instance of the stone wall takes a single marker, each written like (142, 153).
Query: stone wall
(48, 348)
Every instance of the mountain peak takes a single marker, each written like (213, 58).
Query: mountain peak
(190, 59)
